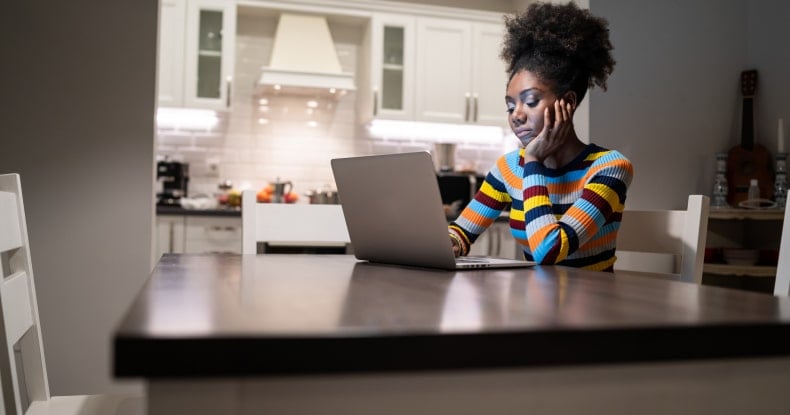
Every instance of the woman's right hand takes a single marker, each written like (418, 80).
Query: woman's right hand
(456, 248)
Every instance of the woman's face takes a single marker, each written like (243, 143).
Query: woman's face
(527, 98)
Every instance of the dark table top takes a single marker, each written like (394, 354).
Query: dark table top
(237, 315)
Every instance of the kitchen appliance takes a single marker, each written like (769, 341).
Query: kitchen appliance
(173, 177)
(304, 59)
(444, 156)
(456, 190)
(280, 190)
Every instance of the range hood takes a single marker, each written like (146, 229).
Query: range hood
(304, 59)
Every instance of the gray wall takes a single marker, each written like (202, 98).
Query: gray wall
(674, 97)
(768, 23)
(77, 122)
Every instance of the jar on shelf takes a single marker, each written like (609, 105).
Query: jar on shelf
(719, 199)
(780, 181)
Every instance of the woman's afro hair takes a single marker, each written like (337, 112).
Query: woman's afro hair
(562, 44)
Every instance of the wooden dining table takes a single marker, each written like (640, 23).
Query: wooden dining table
(328, 334)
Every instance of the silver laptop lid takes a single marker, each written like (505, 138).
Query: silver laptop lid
(393, 209)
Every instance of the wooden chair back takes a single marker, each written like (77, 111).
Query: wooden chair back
(782, 284)
(665, 240)
(291, 225)
(23, 369)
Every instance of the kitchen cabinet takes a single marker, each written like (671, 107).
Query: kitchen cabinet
(169, 235)
(194, 233)
(212, 235)
(497, 241)
(460, 77)
(392, 66)
(433, 69)
(196, 53)
(748, 229)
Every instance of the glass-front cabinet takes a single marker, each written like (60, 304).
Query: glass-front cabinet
(392, 66)
(210, 31)
(196, 53)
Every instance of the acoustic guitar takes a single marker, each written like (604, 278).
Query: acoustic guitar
(749, 160)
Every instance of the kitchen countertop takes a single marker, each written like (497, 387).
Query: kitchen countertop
(180, 211)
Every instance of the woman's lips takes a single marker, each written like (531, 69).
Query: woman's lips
(524, 135)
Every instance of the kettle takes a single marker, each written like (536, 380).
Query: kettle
(280, 190)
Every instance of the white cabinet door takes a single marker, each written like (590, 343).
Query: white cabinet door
(170, 75)
(497, 241)
(205, 234)
(210, 43)
(196, 53)
(392, 66)
(460, 77)
(444, 74)
(169, 234)
(489, 80)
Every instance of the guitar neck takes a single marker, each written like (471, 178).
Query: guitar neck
(747, 124)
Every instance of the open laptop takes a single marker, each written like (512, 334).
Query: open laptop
(394, 213)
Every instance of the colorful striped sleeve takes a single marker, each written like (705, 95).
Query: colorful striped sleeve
(552, 239)
(488, 203)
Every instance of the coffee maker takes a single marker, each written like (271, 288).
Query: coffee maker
(173, 176)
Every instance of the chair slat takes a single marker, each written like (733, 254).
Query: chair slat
(17, 309)
(10, 233)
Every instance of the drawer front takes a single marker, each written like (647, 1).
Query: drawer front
(212, 235)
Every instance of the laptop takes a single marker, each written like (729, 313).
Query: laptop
(394, 214)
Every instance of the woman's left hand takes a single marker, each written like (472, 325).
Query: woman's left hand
(555, 131)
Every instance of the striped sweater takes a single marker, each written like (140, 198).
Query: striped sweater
(567, 216)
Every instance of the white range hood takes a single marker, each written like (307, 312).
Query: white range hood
(304, 59)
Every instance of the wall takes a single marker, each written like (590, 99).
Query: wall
(77, 123)
(673, 99)
(768, 34)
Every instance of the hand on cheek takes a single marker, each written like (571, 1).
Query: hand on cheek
(557, 126)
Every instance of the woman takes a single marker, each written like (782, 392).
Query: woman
(566, 197)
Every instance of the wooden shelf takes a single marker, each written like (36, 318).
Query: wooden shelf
(758, 271)
(746, 214)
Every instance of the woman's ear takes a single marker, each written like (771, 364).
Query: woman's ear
(570, 97)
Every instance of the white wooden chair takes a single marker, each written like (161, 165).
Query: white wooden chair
(25, 387)
(664, 241)
(291, 225)
(782, 284)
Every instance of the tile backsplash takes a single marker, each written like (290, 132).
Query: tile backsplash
(259, 141)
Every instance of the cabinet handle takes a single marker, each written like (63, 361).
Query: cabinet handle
(466, 111)
(475, 111)
(375, 102)
(172, 236)
(227, 88)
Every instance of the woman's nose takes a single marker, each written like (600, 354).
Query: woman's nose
(518, 116)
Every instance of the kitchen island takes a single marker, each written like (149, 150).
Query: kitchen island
(243, 334)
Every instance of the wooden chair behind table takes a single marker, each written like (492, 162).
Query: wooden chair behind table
(25, 388)
(666, 241)
(292, 228)
(782, 284)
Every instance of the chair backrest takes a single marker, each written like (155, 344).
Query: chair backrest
(782, 284)
(23, 370)
(665, 240)
(295, 225)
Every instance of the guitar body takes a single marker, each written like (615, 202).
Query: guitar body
(742, 166)
(748, 160)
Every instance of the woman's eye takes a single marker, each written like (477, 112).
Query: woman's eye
(532, 103)
(510, 109)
